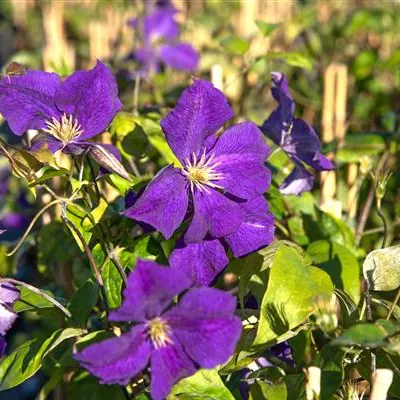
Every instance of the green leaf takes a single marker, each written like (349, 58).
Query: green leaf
(29, 300)
(86, 387)
(112, 284)
(121, 184)
(205, 384)
(341, 265)
(381, 268)
(122, 124)
(85, 221)
(362, 335)
(357, 145)
(332, 371)
(290, 295)
(235, 45)
(326, 226)
(261, 390)
(77, 216)
(293, 58)
(47, 174)
(265, 28)
(27, 359)
(159, 143)
(157, 139)
(55, 247)
(83, 300)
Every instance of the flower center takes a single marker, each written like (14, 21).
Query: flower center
(201, 172)
(159, 332)
(65, 130)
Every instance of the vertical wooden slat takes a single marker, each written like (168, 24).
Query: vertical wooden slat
(57, 50)
(340, 102)
(20, 10)
(217, 77)
(352, 194)
(381, 380)
(313, 384)
(328, 178)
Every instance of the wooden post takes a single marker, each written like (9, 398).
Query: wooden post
(217, 77)
(381, 380)
(99, 41)
(20, 10)
(328, 178)
(313, 385)
(334, 127)
(57, 49)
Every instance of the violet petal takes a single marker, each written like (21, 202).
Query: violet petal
(205, 324)
(256, 231)
(117, 360)
(91, 97)
(27, 101)
(202, 261)
(149, 291)
(200, 112)
(164, 202)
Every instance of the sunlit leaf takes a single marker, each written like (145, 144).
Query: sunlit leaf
(205, 384)
(290, 295)
(26, 359)
(381, 268)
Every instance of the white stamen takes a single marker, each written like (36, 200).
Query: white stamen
(159, 332)
(65, 130)
(201, 172)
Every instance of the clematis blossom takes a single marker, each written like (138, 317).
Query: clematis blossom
(160, 45)
(67, 112)
(219, 187)
(200, 331)
(295, 137)
(9, 294)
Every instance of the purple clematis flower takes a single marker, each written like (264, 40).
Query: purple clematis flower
(200, 331)
(220, 185)
(203, 261)
(160, 31)
(67, 112)
(9, 294)
(296, 137)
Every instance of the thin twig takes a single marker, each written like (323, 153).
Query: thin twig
(35, 218)
(89, 254)
(136, 91)
(119, 266)
(368, 203)
(385, 227)
(393, 306)
(40, 293)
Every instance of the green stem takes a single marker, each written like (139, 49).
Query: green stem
(89, 254)
(385, 227)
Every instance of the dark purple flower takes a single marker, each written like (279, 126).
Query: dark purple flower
(284, 352)
(68, 113)
(200, 331)
(221, 182)
(203, 261)
(9, 294)
(160, 31)
(13, 220)
(296, 137)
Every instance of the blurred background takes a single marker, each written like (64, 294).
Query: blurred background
(341, 59)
